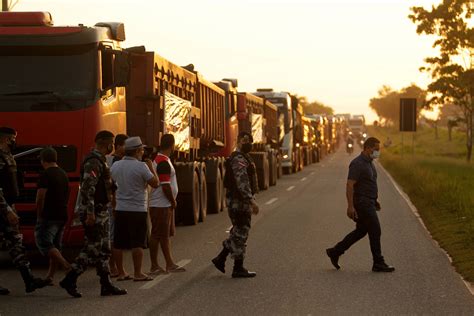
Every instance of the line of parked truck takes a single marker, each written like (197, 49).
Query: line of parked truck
(61, 85)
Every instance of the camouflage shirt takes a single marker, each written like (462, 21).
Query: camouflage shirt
(8, 177)
(246, 184)
(96, 184)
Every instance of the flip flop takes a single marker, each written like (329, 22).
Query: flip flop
(148, 278)
(125, 278)
(177, 269)
(157, 272)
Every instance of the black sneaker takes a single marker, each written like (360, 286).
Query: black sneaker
(382, 267)
(243, 273)
(4, 291)
(334, 258)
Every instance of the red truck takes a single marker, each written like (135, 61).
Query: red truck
(65, 84)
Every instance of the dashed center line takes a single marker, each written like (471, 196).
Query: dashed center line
(304, 179)
(271, 201)
(228, 229)
(162, 277)
(290, 188)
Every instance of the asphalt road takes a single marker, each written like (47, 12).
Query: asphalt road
(302, 216)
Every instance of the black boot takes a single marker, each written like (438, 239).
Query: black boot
(31, 283)
(331, 252)
(4, 291)
(107, 288)
(382, 267)
(240, 271)
(219, 261)
(69, 284)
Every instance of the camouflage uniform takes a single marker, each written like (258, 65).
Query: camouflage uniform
(95, 198)
(9, 193)
(239, 201)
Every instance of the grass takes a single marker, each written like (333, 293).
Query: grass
(440, 184)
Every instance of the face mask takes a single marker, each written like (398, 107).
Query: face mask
(375, 154)
(246, 148)
(12, 145)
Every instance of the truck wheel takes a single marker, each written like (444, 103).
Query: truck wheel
(223, 190)
(189, 204)
(214, 187)
(272, 161)
(301, 164)
(261, 162)
(203, 196)
(279, 167)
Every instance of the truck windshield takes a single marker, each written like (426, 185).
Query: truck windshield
(47, 78)
(284, 111)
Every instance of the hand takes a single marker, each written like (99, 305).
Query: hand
(351, 213)
(255, 208)
(173, 204)
(377, 206)
(90, 219)
(149, 163)
(12, 218)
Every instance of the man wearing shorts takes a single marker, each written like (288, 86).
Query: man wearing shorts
(162, 208)
(51, 205)
(132, 177)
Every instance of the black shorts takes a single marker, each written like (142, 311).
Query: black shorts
(130, 230)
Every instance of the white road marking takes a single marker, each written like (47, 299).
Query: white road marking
(312, 173)
(271, 201)
(228, 229)
(290, 188)
(148, 285)
(304, 179)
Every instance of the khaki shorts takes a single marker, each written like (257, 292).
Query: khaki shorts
(162, 222)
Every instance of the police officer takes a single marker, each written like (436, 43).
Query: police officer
(96, 194)
(241, 183)
(9, 220)
(362, 194)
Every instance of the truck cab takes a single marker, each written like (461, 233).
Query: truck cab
(60, 85)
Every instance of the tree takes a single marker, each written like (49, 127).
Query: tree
(452, 70)
(317, 107)
(387, 103)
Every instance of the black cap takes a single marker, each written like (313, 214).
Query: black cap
(103, 135)
(7, 131)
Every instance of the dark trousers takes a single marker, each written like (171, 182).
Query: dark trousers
(367, 223)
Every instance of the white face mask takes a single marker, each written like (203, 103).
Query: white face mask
(375, 154)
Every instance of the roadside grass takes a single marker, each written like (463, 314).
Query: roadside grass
(440, 184)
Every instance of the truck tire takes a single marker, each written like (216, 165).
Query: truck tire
(214, 186)
(189, 205)
(273, 174)
(279, 166)
(223, 190)
(261, 162)
(301, 164)
(203, 195)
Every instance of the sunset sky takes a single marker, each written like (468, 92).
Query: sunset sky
(337, 52)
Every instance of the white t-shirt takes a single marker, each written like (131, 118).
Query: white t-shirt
(132, 178)
(167, 175)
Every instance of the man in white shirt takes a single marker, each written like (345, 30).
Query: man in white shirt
(132, 177)
(162, 208)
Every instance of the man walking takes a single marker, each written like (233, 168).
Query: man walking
(51, 204)
(132, 176)
(362, 194)
(241, 183)
(162, 208)
(9, 220)
(95, 196)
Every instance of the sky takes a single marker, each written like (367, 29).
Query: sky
(338, 52)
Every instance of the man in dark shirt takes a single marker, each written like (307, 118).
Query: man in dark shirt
(51, 204)
(362, 194)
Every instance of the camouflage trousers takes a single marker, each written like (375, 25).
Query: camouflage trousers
(96, 250)
(240, 214)
(14, 243)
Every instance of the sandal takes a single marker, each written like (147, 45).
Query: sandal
(157, 271)
(177, 269)
(125, 278)
(147, 278)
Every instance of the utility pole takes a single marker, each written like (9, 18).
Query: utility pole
(5, 5)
